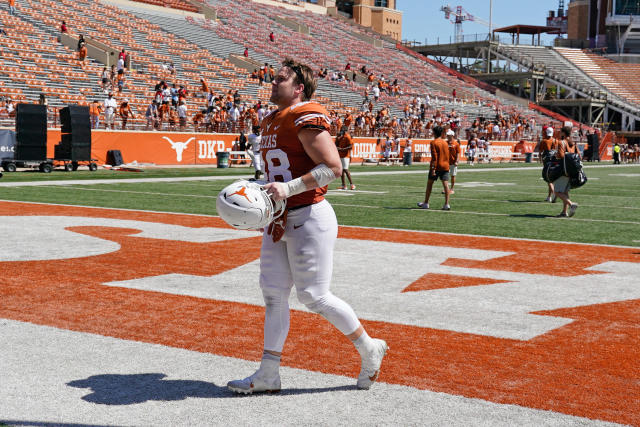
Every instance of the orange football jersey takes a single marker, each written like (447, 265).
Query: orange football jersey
(282, 152)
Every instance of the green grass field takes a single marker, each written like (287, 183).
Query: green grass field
(506, 202)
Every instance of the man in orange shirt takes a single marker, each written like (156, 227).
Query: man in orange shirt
(344, 144)
(439, 168)
(12, 7)
(548, 143)
(94, 113)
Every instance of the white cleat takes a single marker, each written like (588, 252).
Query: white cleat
(370, 368)
(256, 383)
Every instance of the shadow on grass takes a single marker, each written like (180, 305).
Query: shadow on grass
(531, 216)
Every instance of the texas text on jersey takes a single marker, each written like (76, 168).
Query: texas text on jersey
(282, 152)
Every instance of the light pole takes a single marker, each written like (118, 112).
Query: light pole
(490, 36)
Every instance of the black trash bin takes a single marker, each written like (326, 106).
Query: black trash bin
(223, 159)
(528, 157)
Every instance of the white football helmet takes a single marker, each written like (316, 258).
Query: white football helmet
(245, 205)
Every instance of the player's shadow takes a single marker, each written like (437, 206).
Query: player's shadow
(531, 216)
(116, 389)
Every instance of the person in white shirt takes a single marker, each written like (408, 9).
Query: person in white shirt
(261, 113)
(376, 93)
(406, 154)
(182, 115)
(110, 106)
(253, 150)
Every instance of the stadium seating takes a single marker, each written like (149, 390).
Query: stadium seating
(34, 62)
(610, 74)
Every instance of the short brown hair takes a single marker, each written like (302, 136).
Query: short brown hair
(566, 130)
(302, 75)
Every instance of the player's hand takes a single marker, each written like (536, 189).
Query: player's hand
(277, 190)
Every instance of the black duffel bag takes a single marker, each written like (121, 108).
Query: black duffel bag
(552, 170)
(578, 180)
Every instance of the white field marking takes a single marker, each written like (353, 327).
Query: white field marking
(240, 176)
(474, 184)
(500, 310)
(46, 237)
(629, 175)
(354, 192)
(79, 376)
(346, 226)
(150, 193)
(117, 181)
(453, 211)
(534, 202)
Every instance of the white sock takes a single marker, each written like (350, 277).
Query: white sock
(270, 363)
(364, 344)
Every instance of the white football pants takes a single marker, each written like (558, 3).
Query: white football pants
(303, 257)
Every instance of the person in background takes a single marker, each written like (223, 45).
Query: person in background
(344, 143)
(547, 144)
(407, 153)
(438, 168)
(454, 156)
(562, 185)
(94, 114)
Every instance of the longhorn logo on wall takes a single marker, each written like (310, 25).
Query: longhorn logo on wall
(179, 146)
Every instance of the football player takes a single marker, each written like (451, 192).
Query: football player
(300, 160)
(253, 150)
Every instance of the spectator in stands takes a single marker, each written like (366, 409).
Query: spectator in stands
(12, 7)
(454, 156)
(173, 118)
(439, 168)
(104, 79)
(42, 99)
(63, 27)
(204, 87)
(110, 106)
(271, 72)
(123, 55)
(234, 117)
(163, 113)
(376, 93)
(272, 37)
(112, 76)
(82, 48)
(125, 112)
(120, 80)
(11, 108)
(174, 95)
(562, 185)
(151, 114)
(120, 64)
(172, 69)
(94, 114)
(198, 119)
(182, 115)
(246, 52)
(344, 143)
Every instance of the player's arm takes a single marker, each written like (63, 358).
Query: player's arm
(320, 147)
